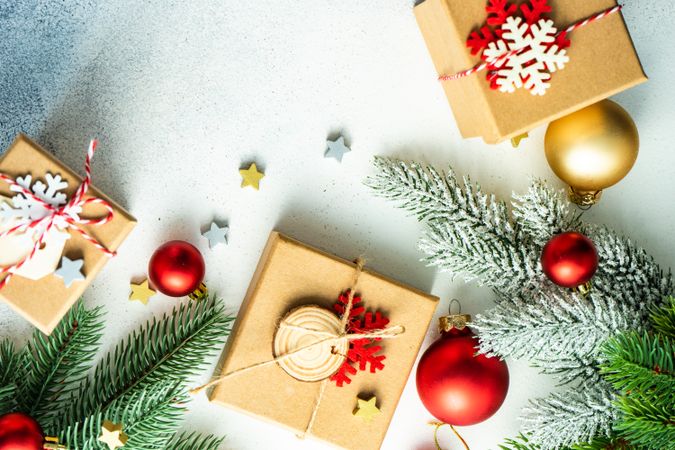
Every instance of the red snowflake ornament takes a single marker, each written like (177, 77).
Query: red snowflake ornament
(363, 353)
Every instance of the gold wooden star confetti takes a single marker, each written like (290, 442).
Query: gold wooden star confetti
(366, 409)
(515, 141)
(141, 292)
(112, 435)
(251, 177)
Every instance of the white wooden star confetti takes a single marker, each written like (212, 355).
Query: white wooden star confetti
(251, 177)
(337, 149)
(141, 292)
(112, 435)
(367, 409)
(70, 271)
(216, 235)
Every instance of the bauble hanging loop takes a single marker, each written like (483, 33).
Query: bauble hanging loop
(592, 149)
(457, 320)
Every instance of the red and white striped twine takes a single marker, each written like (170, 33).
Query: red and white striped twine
(68, 212)
(499, 60)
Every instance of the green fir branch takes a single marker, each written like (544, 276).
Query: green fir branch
(648, 421)
(9, 365)
(195, 441)
(173, 348)
(53, 366)
(150, 417)
(663, 319)
(641, 363)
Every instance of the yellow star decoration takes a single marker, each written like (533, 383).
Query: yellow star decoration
(515, 141)
(112, 435)
(141, 292)
(251, 177)
(366, 409)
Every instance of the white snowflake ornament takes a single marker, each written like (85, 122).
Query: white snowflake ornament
(535, 55)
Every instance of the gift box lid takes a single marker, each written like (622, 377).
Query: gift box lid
(291, 274)
(602, 62)
(45, 301)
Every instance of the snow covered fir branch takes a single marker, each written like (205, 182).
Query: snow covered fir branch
(480, 238)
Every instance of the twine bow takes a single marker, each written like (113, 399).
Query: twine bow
(498, 61)
(67, 215)
(342, 335)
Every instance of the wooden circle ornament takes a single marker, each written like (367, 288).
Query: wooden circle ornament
(303, 327)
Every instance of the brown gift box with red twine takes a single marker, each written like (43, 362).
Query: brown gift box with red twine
(45, 301)
(249, 379)
(602, 62)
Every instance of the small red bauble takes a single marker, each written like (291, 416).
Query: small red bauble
(457, 386)
(176, 268)
(20, 431)
(569, 259)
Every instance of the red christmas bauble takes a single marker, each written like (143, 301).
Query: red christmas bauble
(457, 386)
(20, 431)
(569, 259)
(176, 268)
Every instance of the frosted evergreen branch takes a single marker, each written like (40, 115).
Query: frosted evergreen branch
(578, 414)
(53, 367)
(630, 276)
(543, 212)
(469, 233)
(174, 347)
(195, 441)
(475, 236)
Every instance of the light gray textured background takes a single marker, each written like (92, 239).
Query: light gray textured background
(181, 94)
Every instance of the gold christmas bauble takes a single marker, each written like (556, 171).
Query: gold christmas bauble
(592, 149)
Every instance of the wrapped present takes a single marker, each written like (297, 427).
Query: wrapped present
(56, 232)
(508, 66)
(327, 336)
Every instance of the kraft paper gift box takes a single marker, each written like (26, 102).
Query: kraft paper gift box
(291, 274)
(44, 301)
(602, 62)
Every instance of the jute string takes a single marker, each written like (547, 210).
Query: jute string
(343, 335)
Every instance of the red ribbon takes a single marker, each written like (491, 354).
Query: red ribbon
(68, 213)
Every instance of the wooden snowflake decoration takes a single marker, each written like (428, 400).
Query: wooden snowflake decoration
(521, 46)
(363, 354)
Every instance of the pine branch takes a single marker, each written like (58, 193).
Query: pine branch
(649, 423)
(174, 348)
(150, 417)
(469, 233)
(9, 364)
(195, 441)
(53, 367)
(663, 319)
(641, 363)
(579, 414)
